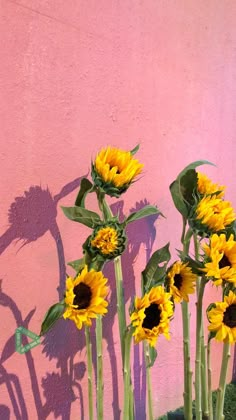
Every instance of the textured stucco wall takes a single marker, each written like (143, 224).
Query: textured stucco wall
(74, 76)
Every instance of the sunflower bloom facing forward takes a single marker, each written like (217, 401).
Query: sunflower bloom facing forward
(214, 214)
(108, 240)
(205, 186)
(222, 318)
(221, 259)
(151, 316)
(114, 170)
(85, 297)
(181, 281)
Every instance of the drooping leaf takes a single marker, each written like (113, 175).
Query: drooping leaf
(154, 273)
(81, 215)
(54, 313)
(152, 356)
(175, 190)
(85, 187)
(188, 184)
(77, 265)
(133, 151)
(144, 212)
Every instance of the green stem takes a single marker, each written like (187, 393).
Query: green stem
(127, 376)
(90, 369)
(100, 385)
(198, 387)
(187, 367)
(120, 304)
(149, 385)
(186, 237)
(222, 383)
(209, 380)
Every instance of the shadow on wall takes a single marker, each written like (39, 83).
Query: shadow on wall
(30, 217)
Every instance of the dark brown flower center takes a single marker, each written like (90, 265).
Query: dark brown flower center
(178, 280)
(224, 262)
(83, 295)
(152, 316)
(230, 316)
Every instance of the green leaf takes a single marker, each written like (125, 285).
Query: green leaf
(183, 187)
(140, 214)
(81, 215)
(85, 187)
(133, 151)
(175, 190)
(154, 274)
(196, 266)
(54, 313)
(77, 265)
(152, 356)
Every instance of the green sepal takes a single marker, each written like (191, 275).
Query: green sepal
(140, 214)
(211, 335)
(135, 150)
(211, 306)
(81, 215)
(184, 187)
(152, 356)
(85, 187)
(54, 313)
(229, 288)
(154, 274)
(77, 265)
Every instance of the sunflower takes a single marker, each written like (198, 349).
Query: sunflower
(114, 170)
(181, 281)
(221, 259)
(85, 297)
(151, 316)
(222, 318)
(214, 214)
(205, 186)
(108, 240)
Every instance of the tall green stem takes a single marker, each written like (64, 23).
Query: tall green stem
(100, 385)
(222, 383)
(198, 387)
(127, 377)
(90, 369)
(209, 380)
(186, 237)
(148, 376)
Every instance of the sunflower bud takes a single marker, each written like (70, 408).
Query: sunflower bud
(107, 240)
(114, 170)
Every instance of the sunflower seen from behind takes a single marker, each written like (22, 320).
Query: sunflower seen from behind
(85, 297)
(151, 315)
(114, 170)
(180, 281)
(220, 263)
(222, 318)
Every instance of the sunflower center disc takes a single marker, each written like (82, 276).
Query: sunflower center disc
(230, 316)
(178, 280)
(153, 316)
(83, 295)
(224, 262)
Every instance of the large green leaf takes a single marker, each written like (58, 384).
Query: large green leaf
(154, 273)
(152, 356)
(77, 265)
(140, 214)
(81, 215)
(183, 187)
(85, 187)
(54, 313)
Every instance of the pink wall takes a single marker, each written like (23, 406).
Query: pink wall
(75, 76)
